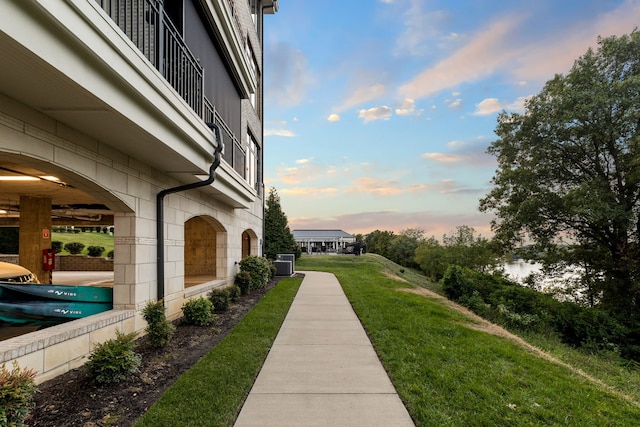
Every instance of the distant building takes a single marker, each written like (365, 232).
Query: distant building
(311, 241)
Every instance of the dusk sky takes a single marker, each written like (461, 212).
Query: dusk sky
(378, 113)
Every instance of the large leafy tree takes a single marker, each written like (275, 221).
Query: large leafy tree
(378, 242)
(277, 236)
(402, 247)
(568, 176)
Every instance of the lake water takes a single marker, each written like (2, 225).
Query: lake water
(521, 269)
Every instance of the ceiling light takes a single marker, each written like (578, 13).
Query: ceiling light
(19, 178)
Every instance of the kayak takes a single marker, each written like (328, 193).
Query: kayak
(9, 292)
(48, 312)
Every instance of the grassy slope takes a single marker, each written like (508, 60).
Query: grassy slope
(447, 373)
(88, 239)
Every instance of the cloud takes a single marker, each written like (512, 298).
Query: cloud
(467, 153)
(289, 78)
(408, 108)
(454, 104)
(443, 158)
(304, 161)
(493, 105)
(421, 26)
(488, 106)
(383, 187)
(309, 191)
(333, 118)
(361, 95)
(557, 54)
(375, 113)
(435, 224)
(279, 132)
(486, 52)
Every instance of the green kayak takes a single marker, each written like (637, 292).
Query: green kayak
(11, 292)
(48, 312)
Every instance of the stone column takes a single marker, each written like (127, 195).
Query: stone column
(35, 234)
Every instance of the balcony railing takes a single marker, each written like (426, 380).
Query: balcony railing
(146, 24)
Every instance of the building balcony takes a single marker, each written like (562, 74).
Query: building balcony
(71, 61)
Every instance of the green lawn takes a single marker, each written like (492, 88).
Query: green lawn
(86, 238)
(449, 374)
(212, 392)
(446, 372)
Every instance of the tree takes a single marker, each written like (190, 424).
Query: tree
(378, 242)
(277, 236)
(402, 247)
(568, 176)
(461, 247)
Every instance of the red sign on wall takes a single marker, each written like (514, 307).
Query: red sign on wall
(45, 233)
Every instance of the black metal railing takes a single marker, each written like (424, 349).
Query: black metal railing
(151, 30)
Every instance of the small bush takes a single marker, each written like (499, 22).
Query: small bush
(220, 300)
(234, 293)
(95, 250)
(159, 329)
(260, 270)
(198, 311)
(57, 246)
(110, 254)
(114, 360)
(243, 281)
(74, 248)
(17, 388)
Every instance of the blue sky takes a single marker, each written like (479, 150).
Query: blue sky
(378, 113)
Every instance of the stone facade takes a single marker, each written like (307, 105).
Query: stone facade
(117, 134)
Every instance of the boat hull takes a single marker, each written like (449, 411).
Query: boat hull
(10, 292)
(48, 312)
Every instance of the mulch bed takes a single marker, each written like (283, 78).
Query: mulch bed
(75, 399)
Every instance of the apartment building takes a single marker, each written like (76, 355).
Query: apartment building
(144, 115)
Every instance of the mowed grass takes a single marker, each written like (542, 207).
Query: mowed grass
(212, 392)
(449, 374)
(86, 238)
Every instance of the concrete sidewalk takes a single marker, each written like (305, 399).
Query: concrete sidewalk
(322, 369)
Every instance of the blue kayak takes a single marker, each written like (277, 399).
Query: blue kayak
(48, 312)
(10, 292)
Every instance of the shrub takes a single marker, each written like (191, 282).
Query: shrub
(95, 250)
(220, 300)
(110, 254)
(272, 270)
(234, 293)
(114, 360)
(590, 327)
(456, 284)
(259, 269)
(198, 311)
(56, 246)
(159, 329)
(243, 281)
(74, 248)
(17, 388)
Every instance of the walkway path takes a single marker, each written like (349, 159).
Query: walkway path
(322, 369)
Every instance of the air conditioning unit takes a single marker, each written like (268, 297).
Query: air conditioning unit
(288, 257)
(283, 268)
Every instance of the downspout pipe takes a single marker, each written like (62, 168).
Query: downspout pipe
(160, 207)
